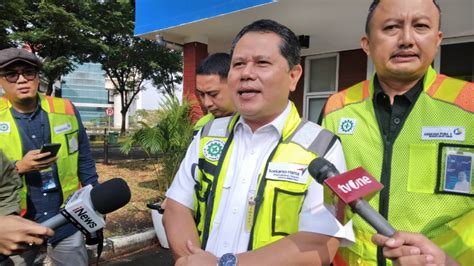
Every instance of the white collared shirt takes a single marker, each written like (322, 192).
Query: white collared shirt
(250, 153)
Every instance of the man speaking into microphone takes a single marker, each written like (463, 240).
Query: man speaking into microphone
(413, 129)
(242, 194)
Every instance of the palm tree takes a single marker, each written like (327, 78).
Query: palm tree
(170, 138)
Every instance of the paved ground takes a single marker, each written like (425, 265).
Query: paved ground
(145, 257)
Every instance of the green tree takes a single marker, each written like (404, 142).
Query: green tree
(10, 13)
(56, 30)
(129, 61)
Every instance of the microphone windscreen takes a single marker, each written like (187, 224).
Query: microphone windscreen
(111, 195)
(321, 169)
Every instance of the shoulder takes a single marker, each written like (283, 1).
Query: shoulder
(354, 94)
(314, 138)
(219, 127)
(453, 91)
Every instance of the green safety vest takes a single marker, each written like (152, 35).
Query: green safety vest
(64, 129)
(202, 121)
(277, 203)
(417, 201)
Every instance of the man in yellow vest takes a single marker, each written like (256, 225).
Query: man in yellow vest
(212, 89)
(243, 194)
(414, 129)
(27, 121)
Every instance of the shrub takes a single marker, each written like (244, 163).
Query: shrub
(170, 137)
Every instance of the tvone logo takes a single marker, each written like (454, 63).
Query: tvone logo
(354, 184)
(82, 214)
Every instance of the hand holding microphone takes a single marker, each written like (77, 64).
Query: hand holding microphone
(16, 233)
(86, 207)
(350, 187)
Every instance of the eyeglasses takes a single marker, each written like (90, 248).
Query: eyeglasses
(13, 76)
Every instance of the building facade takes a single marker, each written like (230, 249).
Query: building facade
(332, 59)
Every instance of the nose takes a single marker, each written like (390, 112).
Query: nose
(406, 38)
(248, 72)
(21, 78)
(208, 102)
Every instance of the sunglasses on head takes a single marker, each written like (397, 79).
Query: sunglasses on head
(12, 76)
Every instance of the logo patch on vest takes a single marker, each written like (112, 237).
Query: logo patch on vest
(443, 133)
(287, 172)
(62, 128)
(346, 126)
(212, 149)
(4, 127)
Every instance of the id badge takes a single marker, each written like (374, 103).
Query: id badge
(48, 183)
(250, 212)
(457, 170)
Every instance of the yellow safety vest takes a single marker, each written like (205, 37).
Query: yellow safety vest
(277, 203)
(203, 121)
(416, 203)
(64, 129)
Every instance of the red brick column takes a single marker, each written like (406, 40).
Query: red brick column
(193, 53)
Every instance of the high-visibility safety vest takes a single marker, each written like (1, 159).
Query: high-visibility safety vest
(277, 202)
(64, 129)
(203, 121)
(415, 201)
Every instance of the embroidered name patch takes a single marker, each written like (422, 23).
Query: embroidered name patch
(287, 172)
(346, 126)
(62, 128)
(443, 133)
(4, 127)
(212, 149)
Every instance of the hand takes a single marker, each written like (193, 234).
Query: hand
(17, 233)
(412, 249)
(33, 161)
(198, 257)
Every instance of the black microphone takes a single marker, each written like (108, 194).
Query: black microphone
(86, 207)
(350, 187)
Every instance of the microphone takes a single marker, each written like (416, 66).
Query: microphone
(86, 207)
(349, 189)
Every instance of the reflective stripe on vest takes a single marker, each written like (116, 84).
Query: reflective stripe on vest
(202, 121)
(60, 112)
(277, 215)
(415, 163)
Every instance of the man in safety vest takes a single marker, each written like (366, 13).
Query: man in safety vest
(27, 121)
(414, 129)
(212, 89)
(243, 193)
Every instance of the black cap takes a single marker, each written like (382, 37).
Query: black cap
(12, 55)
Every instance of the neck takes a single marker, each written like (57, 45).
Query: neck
(393, 87)
(25, 105)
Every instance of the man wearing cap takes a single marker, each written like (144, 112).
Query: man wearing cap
(27, 121)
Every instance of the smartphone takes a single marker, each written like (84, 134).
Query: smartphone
(53, 148)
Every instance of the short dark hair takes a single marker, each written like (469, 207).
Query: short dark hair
(374, 5)
(289, 46)
(215, 64)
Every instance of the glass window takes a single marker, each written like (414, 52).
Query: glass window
(320, 82)
(457, 60)
(322, 74)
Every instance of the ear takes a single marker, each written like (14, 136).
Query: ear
(364, 43)
(440, 39)
(295, 74)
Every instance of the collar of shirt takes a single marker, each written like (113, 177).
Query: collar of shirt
(32, 115)
(278, 123)
(411, 95)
